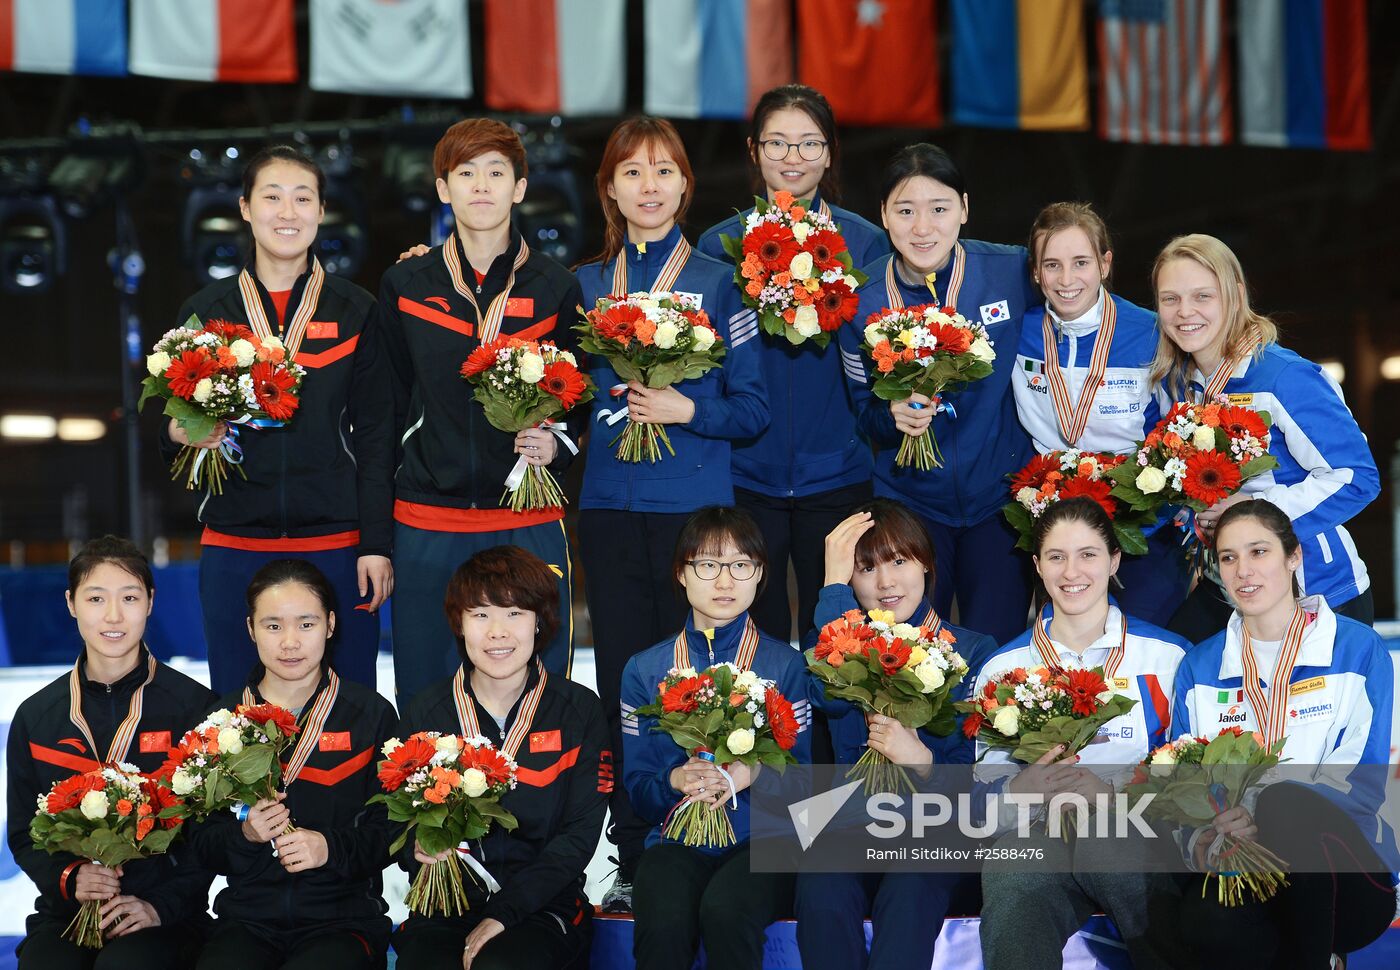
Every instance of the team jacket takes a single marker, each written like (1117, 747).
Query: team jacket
(1124, 407)
(45, 747)
(848, 732)
(1326, 473)
(562, 785)
(453, 462)
(649, 755)
(730, 402)
(328, 796)
(1339, 707)
(328, 473)
(985, 442)
(811, 444)
(1147, 674)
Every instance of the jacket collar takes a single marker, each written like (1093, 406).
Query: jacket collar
(1318, 640)
(1085, 324)
(650, 259)
(124, 685)
(500, 268)
(726, 642)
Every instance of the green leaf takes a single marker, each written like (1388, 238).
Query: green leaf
(1020, 519)
(1130, 539)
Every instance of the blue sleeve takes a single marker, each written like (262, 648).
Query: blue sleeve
(742, 410)
(832, 602)
(710, 243)
(647, 755)
(873, 418)
(1181, 714)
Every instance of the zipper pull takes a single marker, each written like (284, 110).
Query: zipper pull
(710, 642)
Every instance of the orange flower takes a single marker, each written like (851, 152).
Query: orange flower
(752, 267)
(798, 213)
(885, 357)
(802, 295)
(437, 794)
(143, 828)
(646, 331)
(227, 358)
(783, 279)
(124, 807)
(784, 199)
(789, 315)
(1172, 440)
(738, 699)
(753, 288)
(1210, 415)
(447, 776)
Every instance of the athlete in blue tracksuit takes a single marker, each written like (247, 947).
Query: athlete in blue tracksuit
(810, 467)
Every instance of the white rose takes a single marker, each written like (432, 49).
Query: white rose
(244, 352)
(229, 741)
(801, 266)
(203, 390)
(747, 682)
(873, 335)
(390, 746)
(1026, 495)
(531, 368)
(703, 337)
(565, 355)
(1150, 480)
(800, 230)
(474, 782)
(1007, 720)
(220, 717)
(1204, 439)
(666, 334)
(447, 744)
(905, 631)
(183, 783)
(740, 741)
(158, 363)
(94, 805)
(685, 672)
(270, 342)
(930, 677)
(805, 321)
(646, 304)
(982, 350)
(1165, 755)
(850, 281)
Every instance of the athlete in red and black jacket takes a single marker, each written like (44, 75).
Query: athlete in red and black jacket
(436, 309)
(321, 485)
(129, 708)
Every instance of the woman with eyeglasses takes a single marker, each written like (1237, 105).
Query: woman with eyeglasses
(801, 476)
(685, 895)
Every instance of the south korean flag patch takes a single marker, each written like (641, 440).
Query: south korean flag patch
(997, 312)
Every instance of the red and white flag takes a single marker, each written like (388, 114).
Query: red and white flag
(214, 40)
(556, 56)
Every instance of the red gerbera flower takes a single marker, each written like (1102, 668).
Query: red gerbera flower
(189, 369)
(892, 657)
(490, 762)
(781, 718)
(1084, 687)
(265, 714)
(825, 246)
(1099, 491)
(774, 245)
(563, 382)
(836, 303)
(1210, 477)
(618, 323)
(272, 386)
(955, 340)
(1239, 422)
(1033, 475)
(228, 330)
(413, 754)
(481, 359)
(973, 723)
(69, 792)
(680, 696)
(160, 798)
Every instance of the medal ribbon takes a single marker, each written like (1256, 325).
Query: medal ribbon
(311, 728)
(932, 621)
(296, 330)
(665, 280)
(1051, 657)
(126, 730)
(488, 327)
(1272, 712)
(519, 731)
(748, 646)
(955, 281)
(1226, 368)
(1074, 417)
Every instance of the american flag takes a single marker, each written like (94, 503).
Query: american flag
(1164, 72)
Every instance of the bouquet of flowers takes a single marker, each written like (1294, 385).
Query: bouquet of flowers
(1074, 474)
(219, 371)
(902, 671)
(655, 339)
(1032, 711)
(925, 349)
(523, 384)
(793, 268)
(722, 715)
(230, 758)
(447, 789)
(1221, 771)
(110, 815)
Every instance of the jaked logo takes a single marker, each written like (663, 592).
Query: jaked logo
(1235, 715)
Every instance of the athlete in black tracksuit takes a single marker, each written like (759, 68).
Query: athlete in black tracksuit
(46, 746)
(331, 916)
(564, 777)
(318, 488)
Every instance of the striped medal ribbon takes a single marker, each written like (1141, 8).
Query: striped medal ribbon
(295, 332)
(955, 282)
(825, 210)
(1073, 417)
(311, 728)
(488, 327)
(932, 620)
(748, 646)
(519, 731)
(1272, 712)
(665, 280)
(1226, 368)
(126, 730)
(1050, 657)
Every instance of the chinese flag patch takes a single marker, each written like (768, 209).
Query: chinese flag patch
(153, 742)
(545, 741)
(322, 330)
(335, 741)
(520, 306)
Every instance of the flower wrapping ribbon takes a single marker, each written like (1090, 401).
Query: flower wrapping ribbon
(464, 850)
(229, 447)
(939, 406)
(517, 473)
(613, 417)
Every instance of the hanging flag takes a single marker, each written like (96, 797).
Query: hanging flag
(714, 58)
(875, 60)
(1304, 74)
(556, 56)
(214, 40)
(1020, 64)
(404, 48)
(1164, 72)
(63, 36)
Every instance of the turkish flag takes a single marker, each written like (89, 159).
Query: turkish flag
(875, 60)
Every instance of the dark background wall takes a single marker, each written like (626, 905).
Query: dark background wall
(1318, 233)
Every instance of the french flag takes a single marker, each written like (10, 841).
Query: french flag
(251, 41)
(63, 36)
(556, 56)
(1304, 76)
(714, 58)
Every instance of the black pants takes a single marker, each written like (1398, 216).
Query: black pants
(633, 602)
(539, 940)
(157, 948)
(1207, 610)
(234, 946)
(682, 897)
(1327, 907)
